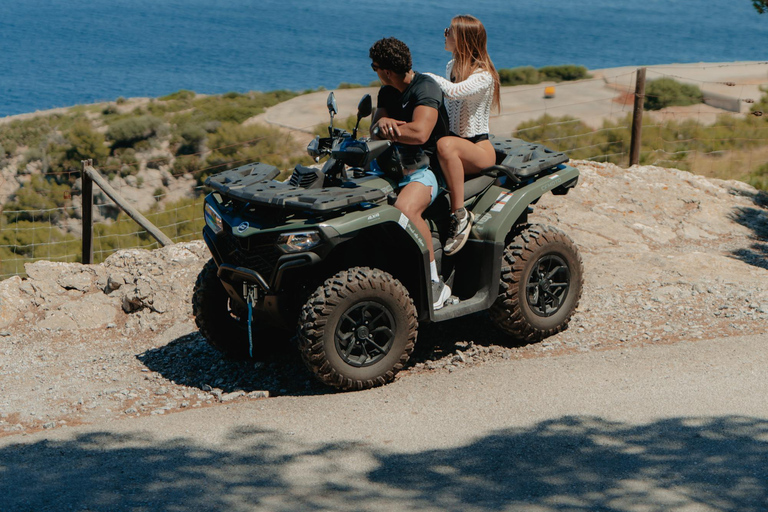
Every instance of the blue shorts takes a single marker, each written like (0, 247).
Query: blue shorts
(424, 176)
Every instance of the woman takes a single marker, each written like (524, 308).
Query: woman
(470, 92)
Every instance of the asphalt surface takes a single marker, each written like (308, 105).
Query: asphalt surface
(660, 427)
(602, 97)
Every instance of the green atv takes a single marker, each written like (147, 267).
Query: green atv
(327, 251)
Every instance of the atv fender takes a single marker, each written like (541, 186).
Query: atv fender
(500, 209)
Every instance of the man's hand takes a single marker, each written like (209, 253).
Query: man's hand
(389, 128)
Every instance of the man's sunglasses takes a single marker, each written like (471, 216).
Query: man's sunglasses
(375, 67)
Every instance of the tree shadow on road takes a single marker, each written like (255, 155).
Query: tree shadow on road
(571, 463)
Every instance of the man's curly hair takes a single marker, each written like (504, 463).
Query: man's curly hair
(391, 54)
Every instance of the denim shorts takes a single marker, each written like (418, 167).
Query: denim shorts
(424, 176)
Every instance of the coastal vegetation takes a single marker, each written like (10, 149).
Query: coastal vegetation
(177, 135)
(668, 92)
(731, 148)
(188, 136)
(528, 75)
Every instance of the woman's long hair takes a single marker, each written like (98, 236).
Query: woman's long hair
(471, 52)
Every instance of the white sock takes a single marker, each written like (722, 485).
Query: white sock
(433, 271)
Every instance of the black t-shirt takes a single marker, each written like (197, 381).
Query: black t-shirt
(421, 91)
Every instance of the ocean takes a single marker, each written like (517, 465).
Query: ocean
(56, 53)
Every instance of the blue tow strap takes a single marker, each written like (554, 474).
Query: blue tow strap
(250, 333)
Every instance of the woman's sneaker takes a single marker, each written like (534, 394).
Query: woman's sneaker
(440, 293)
(461, 224)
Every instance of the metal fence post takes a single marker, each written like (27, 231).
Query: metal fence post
(637, 119)
(87, 196)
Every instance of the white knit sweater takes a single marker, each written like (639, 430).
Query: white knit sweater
(468, 102)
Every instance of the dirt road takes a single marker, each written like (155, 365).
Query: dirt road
(670, 427)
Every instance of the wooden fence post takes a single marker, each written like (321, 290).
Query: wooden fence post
(93, 175)
(87, 196)
(637, 119)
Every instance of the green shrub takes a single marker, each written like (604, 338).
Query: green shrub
(759, 177)
(128, 131)
(238, 145)
(667, 92)
(182, 94)
(528, 75)
(347, 85)
(120, 100)
(519, 76)
(80, 143)
(193, 138)
(25, 241)
(110, 110)
(345, 124)
(39, 199)
(32, 155)
(186, 165)
(157, 162)
(563, 73)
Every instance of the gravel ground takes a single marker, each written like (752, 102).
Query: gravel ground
(667, 255)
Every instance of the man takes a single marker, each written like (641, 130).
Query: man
(411, 112)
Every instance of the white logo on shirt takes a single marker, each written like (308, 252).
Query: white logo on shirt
(405, 104)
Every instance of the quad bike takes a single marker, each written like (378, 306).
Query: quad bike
(326, 251)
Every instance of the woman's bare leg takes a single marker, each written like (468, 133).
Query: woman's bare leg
(459, 158)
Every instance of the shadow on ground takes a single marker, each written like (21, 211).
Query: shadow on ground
(756, 219)
(572, 463)
(190, 361)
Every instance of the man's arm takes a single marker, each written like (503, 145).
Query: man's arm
(416, 132)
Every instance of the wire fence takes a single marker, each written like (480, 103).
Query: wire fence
(726, 136)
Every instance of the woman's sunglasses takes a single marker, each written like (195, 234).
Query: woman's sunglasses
(447, 32)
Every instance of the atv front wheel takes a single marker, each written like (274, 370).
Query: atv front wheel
(225, 329)
(358, 329)
(541, 279)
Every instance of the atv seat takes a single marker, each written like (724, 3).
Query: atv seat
(476, 185)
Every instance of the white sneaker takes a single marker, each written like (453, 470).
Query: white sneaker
(461, 224)
(441, 292)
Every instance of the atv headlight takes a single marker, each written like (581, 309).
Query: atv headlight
(298, 241)
(213, 219)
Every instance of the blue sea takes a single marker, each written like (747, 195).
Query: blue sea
(56, 53)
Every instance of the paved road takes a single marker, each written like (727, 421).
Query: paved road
(674, 427)
(594, 100)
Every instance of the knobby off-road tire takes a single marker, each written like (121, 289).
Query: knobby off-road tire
(224, 330)
(541, 278)
(358, 329)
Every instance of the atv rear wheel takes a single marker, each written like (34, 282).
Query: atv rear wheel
(358, 329)
(541, 278)
(224, 329)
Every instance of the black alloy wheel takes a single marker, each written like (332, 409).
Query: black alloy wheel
(548, 285)
(365, 334)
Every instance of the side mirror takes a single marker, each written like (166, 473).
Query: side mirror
(332, 108)
(365, 107)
